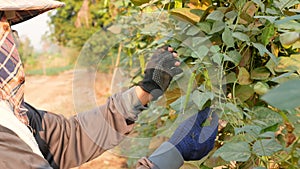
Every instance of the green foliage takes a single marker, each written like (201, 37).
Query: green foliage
(74, 24)
(234, 151)
(236, 56)
(49, 71)
(27, 55)
(288, 93)
(248, 44)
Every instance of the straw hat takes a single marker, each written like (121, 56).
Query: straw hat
(18, 11)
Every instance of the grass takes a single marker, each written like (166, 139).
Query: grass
(49, 71)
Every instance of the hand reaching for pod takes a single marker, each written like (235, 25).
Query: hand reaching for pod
(160, 70)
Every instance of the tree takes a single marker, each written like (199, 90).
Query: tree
(26, 52)
(74, 24)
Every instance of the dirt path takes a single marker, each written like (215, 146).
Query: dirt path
(54, 93)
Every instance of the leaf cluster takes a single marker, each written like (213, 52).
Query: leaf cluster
(238, 56)
(235, 53)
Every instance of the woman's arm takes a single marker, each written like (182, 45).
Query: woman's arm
(70, 142)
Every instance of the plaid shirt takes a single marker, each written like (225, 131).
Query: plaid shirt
(12, 75)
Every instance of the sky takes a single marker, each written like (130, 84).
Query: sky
(34, 28)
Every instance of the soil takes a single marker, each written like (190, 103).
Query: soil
(55, 94)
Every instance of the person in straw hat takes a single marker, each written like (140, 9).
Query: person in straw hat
(31, 138)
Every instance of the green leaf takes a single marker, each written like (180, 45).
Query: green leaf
(217, 58)
(200, 98)
(204, 26)
(272, 128)
(139, 2)
(217, 27)
(285, 77)
(241, 36)
(178, 104)
(215, 49)
(271, 66)
(239, 28)
(216, 16)
(227, 37)
(262, 50)
(234, 151)
(142, 62)
(199, 40)
(260, 4)
(244, 76)
(231, 15)
(253, 130)
(289, 38)
(267, 116)
(269, 18)
(204, 167)
(268, 134)
(189, 89)
(232, 107)
(289, 25)
(272, 11)
(230, 78)
(260, 73)
(192, 31)
(244, 92)
(245, 18)
(213, 162)
(296, 45)
(243, 137)
(201, 52)
(285, 96)
(234, 56)
(178, 3)
(151, 29)
(186, 14)
(267, 34)
(261, 88)
(266, 147)
(285, 3)
(288, 64)
(287, 19)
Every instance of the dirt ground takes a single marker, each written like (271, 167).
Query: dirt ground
(55, 94)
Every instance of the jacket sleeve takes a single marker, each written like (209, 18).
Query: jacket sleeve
(165, 156)
(70, 142)
(15, 153)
